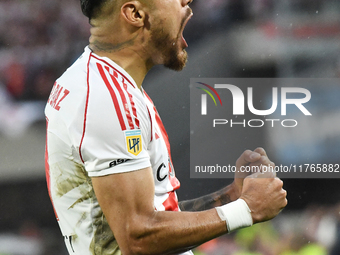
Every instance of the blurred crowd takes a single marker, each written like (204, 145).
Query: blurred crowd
(313, 231)
(39, 39)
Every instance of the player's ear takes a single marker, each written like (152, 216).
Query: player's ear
(133, 13)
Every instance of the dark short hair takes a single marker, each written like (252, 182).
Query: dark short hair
(89, 7)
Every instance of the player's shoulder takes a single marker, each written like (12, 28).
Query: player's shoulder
(107, 77)
(69, 90)
(109, 72)
(77, 72)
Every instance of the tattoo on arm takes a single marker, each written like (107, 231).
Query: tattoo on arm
(206, 202)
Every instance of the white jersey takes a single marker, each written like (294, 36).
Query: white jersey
(99, 123)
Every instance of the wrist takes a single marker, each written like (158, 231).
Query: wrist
(236, 215)
(236, 190)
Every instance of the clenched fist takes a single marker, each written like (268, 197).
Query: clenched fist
(249, 160)
(264, 195)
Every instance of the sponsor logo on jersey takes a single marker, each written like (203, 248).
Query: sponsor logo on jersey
(117, 162)
(134, 141)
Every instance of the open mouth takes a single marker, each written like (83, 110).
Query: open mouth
(184, 23)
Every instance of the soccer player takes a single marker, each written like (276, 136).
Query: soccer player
(108, 163)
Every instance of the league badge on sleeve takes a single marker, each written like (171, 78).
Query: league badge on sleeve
(134, 141)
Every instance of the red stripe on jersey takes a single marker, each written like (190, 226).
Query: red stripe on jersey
(114, 69)
(161, 126)
(86, 106)
(133, 106)
(122, 96)
(171, 204)
(113, 96)
(151, 123)
(47, 172)
(134, 111)
(173, 180)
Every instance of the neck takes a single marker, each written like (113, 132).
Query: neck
(125, 49)
(130, 62)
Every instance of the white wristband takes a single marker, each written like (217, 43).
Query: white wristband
(236, 214)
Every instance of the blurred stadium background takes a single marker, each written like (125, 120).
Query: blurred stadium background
(227, 38)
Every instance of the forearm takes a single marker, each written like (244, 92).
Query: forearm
(218, 198)
(139, 229)
(173, 232)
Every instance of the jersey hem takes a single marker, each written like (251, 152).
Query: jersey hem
(118, 169)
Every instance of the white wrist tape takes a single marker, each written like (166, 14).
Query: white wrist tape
(236, 214)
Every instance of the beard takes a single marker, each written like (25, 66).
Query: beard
(173, 56)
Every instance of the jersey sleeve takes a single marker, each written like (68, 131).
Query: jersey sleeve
(115, 131)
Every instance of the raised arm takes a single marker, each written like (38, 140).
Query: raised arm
(218, 198)
(127, 202)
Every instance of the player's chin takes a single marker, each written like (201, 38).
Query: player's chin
(177, 62)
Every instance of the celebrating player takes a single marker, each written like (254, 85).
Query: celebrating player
(108, 163)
